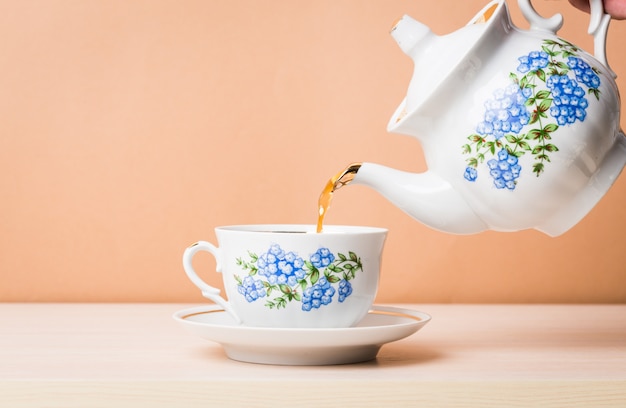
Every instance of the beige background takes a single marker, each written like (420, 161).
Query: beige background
(129, 129)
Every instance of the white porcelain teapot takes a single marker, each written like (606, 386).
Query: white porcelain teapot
(520, 128)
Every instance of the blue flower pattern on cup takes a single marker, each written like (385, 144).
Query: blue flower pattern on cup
(280, 277)
(515, 120)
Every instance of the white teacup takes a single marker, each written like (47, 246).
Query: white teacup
(292, 276)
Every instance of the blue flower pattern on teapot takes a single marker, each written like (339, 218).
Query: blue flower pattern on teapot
(522, 118)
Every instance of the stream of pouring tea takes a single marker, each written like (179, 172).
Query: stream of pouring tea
(324, 202)
(336, 182)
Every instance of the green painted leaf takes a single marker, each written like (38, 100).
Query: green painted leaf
(548, 51)
(315, 276)
(490, 146)
(524, 82)
(567, 54)
(595, 92)
(333, 279)
(543, 157)
(545, 105)
(541, 74)
(334, 268)
(554, 71)
(534, 118)
(533, 134)
(550, 127)
(543, 94)
(569, 45)
(551, 148)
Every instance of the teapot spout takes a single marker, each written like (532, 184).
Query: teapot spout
(424, 196)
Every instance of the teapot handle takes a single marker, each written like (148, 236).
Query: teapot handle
(598, 26)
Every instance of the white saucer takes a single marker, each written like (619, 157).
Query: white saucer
(286, 346)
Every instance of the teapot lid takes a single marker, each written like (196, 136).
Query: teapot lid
(437, 57)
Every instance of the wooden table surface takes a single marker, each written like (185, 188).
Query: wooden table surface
(132, 355)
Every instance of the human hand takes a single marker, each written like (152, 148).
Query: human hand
(615, 8)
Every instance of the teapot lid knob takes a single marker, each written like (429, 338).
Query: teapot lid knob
(408, 32)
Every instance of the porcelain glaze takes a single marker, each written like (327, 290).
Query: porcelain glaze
(292, 276)
(520, 128)
(302, 346)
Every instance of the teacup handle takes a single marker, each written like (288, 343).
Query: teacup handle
(598, 26)
(208, 291)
